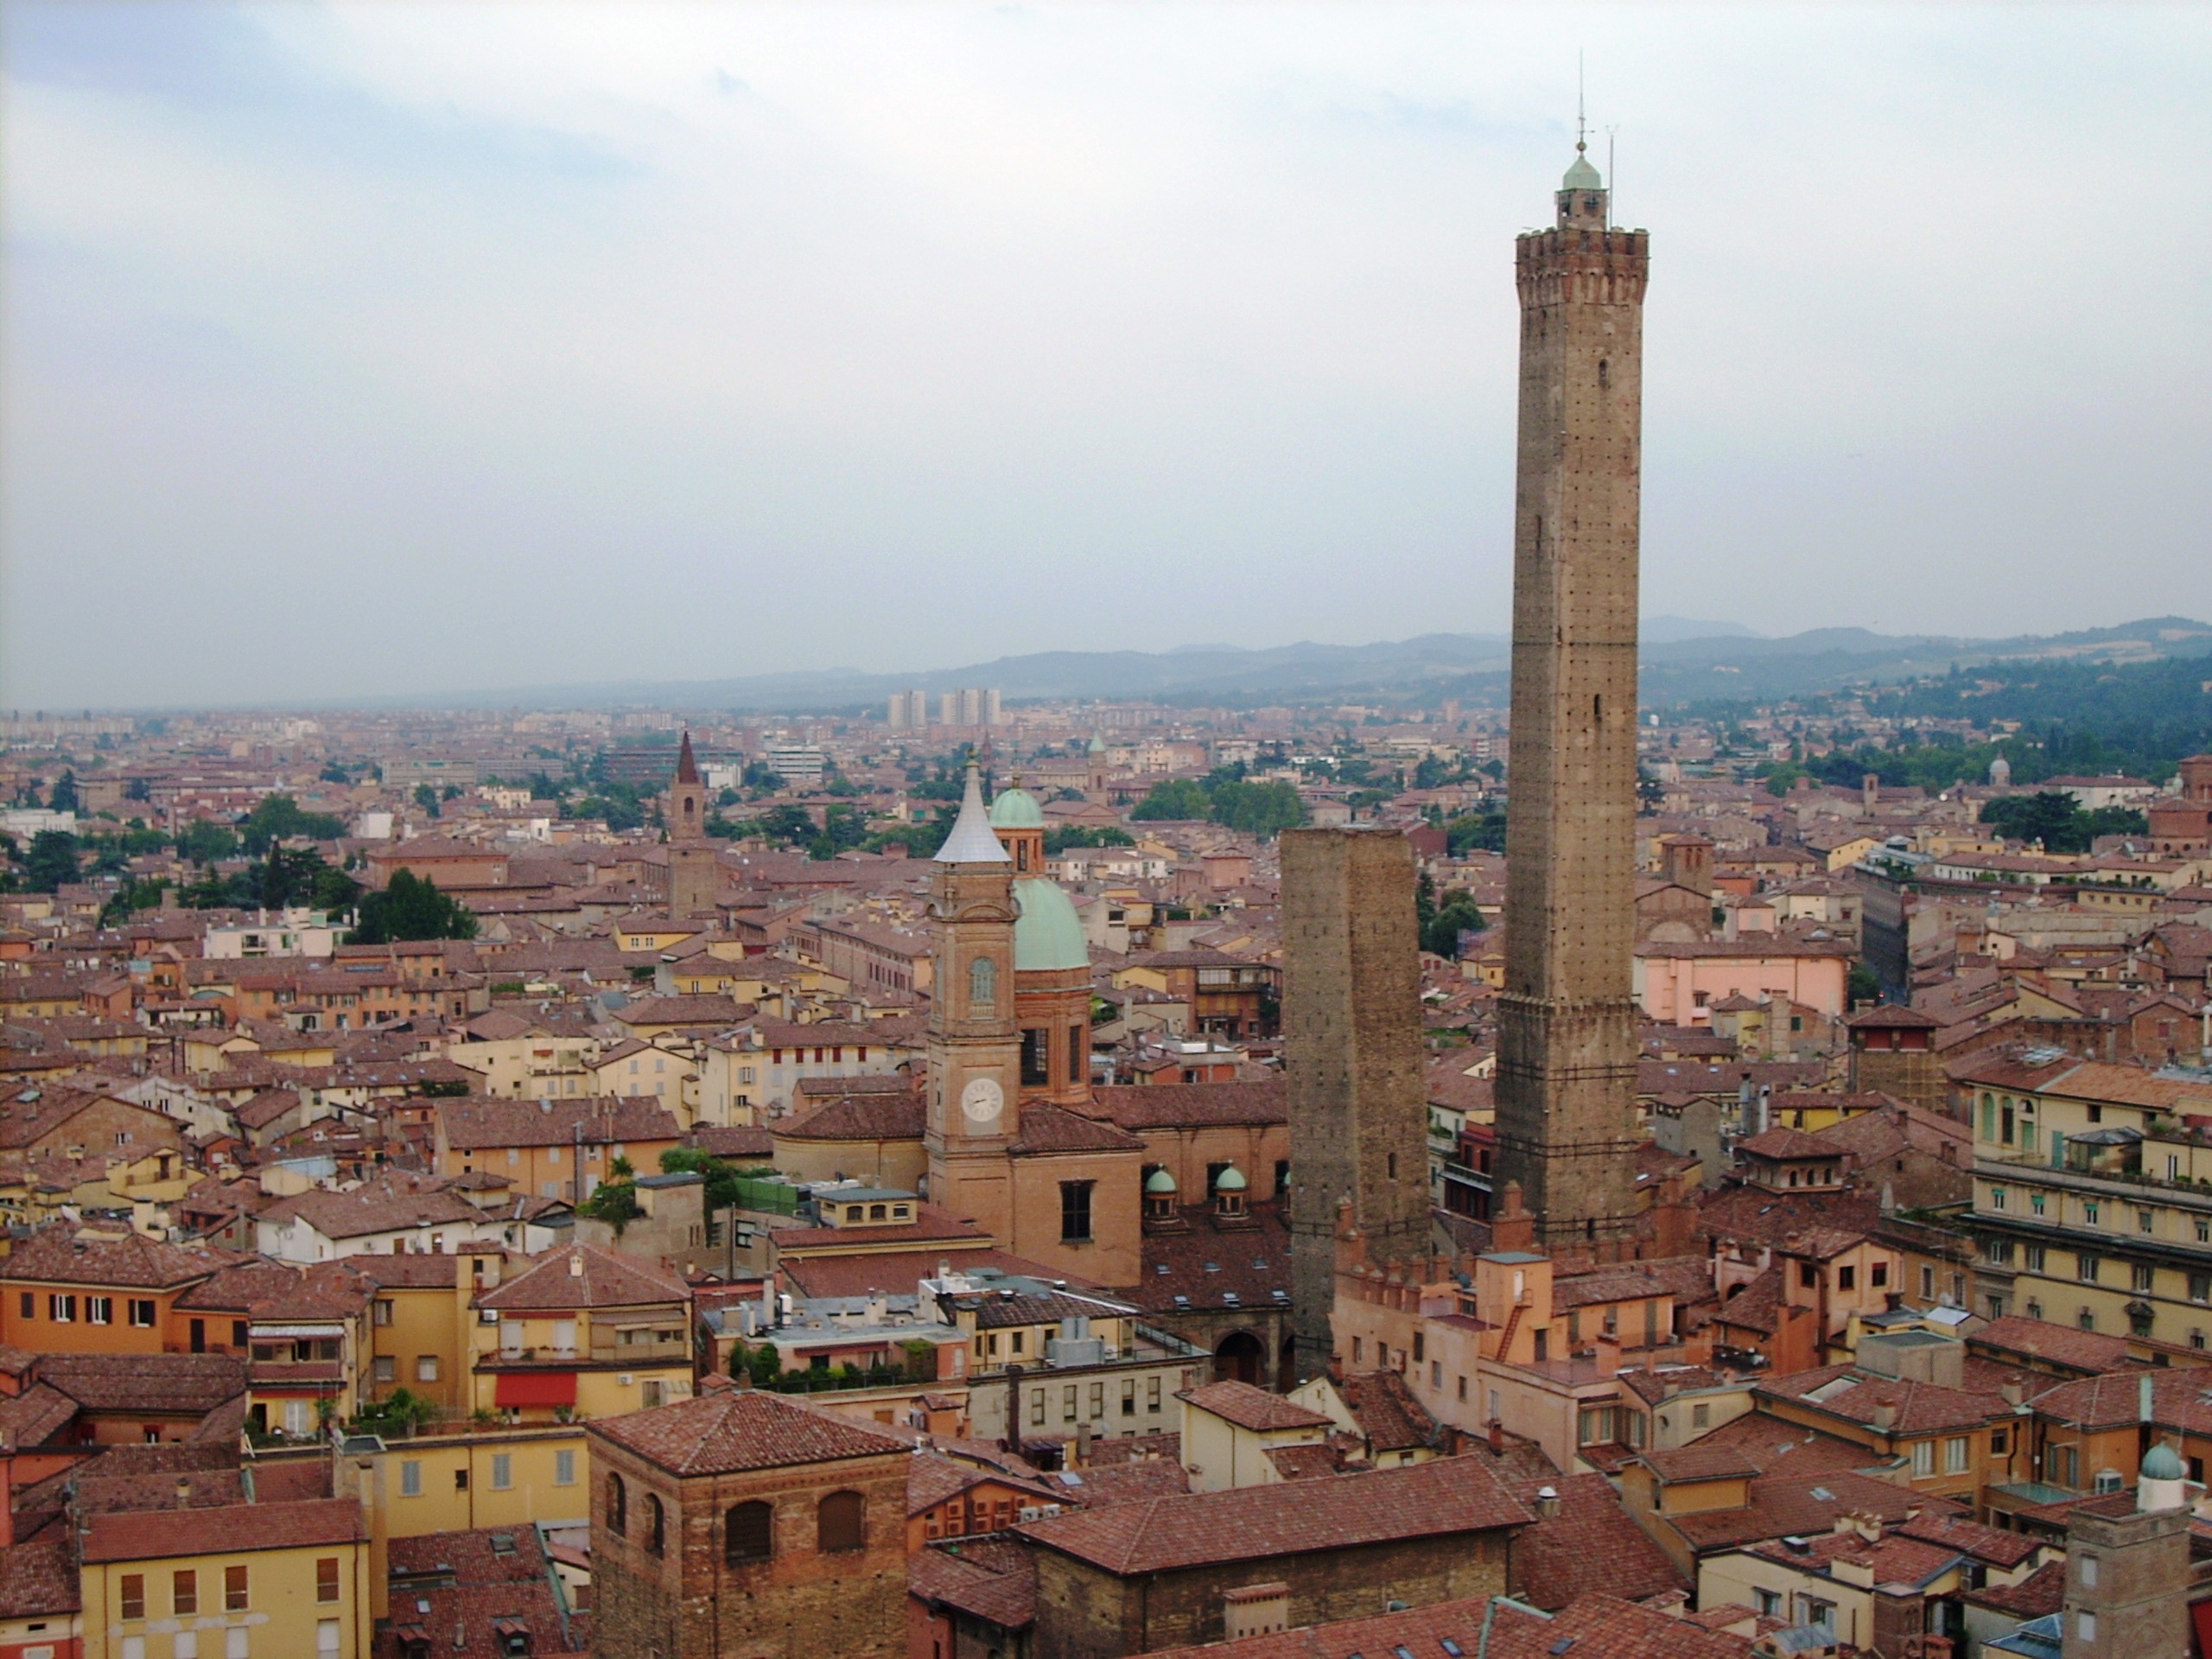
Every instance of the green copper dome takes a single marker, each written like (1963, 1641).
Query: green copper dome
(1016, 809)
(1581, 176)
(1232, 1180)
(1159, 1183)
(1048, 934)
(1097, 744)
(2162, 1462)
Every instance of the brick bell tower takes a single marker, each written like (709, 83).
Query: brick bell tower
(974, 1040)
(1566, 1018)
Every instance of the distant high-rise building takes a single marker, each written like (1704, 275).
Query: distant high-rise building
(971, 706)
(897, 717)
(918, 708)
(948, 708)
(1567, 1128)
(993, 713)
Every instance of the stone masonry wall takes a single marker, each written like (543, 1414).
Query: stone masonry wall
(1566, 1026)
(1352, 1028)
(1083, 1612)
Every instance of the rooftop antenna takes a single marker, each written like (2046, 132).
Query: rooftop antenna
(1581, 126)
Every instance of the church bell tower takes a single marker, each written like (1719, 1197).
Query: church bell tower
(974, 1039)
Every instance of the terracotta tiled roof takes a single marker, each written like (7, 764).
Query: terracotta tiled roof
(1684, 1278)
(152, 1535)
(1593, 1544)
(35, 1417)
(196, 1383)
(1955, 1532)
(476, 1125)
(992, 1581)
(584, 1275)
(1305, 1461)
(1699, 1461)
(1046, 1128)
(1786, 1143)
(1390, 1418)
(1254, 1408)
(1919, 1407)
(1448, 1495)
(2062, 1345)
(387, 1207)
(1775, 1447)
(731, 1430)
(1208, 1264)
(38, 1581)
(62, 1254)
(930, 1225)
(870, 1116)
(1782, 1505)
(2042, 1593)
(1178, 1105)
(1596, 1627)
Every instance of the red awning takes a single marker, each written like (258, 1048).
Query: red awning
(536, 1388)
(2200, 1618)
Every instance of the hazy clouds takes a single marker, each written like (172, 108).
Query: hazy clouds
(432, 348)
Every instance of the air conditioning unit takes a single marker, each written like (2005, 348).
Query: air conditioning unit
(624, 1379)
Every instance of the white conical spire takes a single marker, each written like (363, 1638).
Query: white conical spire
(972, 841)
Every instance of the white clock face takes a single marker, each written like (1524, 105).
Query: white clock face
(982, 1099)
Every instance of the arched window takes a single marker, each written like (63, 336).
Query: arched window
(618, 1505)
(839, 1523)
(749, 1533)
(983, 985)
(656, 1526)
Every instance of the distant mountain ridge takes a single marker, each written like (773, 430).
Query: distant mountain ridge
(1472, 667)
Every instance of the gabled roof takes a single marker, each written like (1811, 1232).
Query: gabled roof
(1447, 1496)
(731, 1430)
(584, 1276)
(155, 1534)
(63, 1254)
(1252, 1409)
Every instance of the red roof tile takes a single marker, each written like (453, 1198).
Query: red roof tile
(152, 1535)
(1254, 1408)
(1450, 1495)
(734, 1429)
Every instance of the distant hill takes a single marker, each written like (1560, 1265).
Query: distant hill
(1682, 662)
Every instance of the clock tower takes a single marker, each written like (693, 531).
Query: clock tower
(974, 1041)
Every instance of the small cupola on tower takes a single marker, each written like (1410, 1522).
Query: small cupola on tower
(1160, 1196)
(1019, 823)
(1582, 194)
(1230, 1188)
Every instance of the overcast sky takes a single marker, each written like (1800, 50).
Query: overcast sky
(418, 348)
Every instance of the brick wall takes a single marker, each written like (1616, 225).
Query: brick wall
(688, 1603)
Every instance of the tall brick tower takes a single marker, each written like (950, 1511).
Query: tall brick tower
(1358, 1100)
(1566, 1019)
(694, 865)
(974, 1041)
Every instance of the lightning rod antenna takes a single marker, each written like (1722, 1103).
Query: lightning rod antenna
(1581, 126)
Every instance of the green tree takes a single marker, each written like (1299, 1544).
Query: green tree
(51, 862)
(427, 798)
(1175, 798)
(2052, 817)
(203, 842)
(65, 792)
(1457, 914)
(278, 818)
(614, 1200)
(1261, 810)
(411, 907)
(1485, 829)
(1060, 838)
(721, 1177)
(1862, 984)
